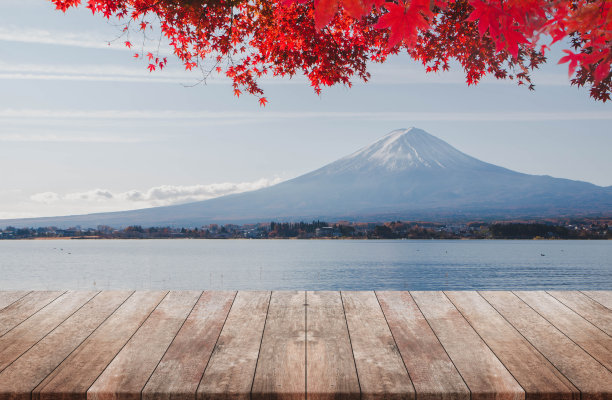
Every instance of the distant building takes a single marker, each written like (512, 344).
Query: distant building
(326, 231)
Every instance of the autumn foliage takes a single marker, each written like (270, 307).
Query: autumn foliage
(333, 41)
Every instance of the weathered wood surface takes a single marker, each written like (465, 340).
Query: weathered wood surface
(22, 309)
(230, 371)
(380, 368)
(586, 335)
(23, 375)
(603, 297)
(8, 298)
(281, 367)
(179, 372)
(128, 373)
(587, 308)
(331, 372)
(121, 345)
(483, 372)
(592, 379)
(75, 375)
(25, 335)
(433, 373)
(538, 377)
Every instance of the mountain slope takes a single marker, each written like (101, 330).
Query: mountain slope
(407, 174)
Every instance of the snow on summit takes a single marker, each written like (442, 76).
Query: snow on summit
(404, 149)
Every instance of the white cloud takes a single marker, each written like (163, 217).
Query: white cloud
(45, 197)
(63, 138)
(43, 36)
(120, 73)
(16, 215)
(101, 73)
(91, 195)
(264, 115)
(380, 76)
(173, 194)
(155, 196)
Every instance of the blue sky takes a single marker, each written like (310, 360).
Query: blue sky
(84, 127)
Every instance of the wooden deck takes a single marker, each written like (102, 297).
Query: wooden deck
(186, 345)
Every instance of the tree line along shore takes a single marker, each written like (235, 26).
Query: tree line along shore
(547, 229)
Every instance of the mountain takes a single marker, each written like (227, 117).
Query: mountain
(407, 174)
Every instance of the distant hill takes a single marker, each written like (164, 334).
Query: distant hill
(407, 174)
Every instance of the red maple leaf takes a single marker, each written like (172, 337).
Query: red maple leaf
(573, 60)
(602, 71)
(324, 12)
(404, 20)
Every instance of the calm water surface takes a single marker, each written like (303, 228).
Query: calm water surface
(305, 264)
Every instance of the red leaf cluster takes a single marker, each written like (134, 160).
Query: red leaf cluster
(332, 41)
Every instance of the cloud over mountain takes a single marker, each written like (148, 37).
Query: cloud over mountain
(158, 195)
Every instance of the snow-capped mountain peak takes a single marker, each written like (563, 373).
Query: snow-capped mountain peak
(404, 149)
(407, 174)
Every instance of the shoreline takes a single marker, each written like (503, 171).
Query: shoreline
(295, 238)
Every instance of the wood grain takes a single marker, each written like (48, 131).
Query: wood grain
(230, 371)
(291, 345)
(71, 379)
(432, 372)
(592, 379)
(587, 308)
(281, 367)
(22, 309)
(484, 374)
(179, 372)
(381, 371)
(538, 377)
(592, 339)
(25, 335)
(128, 373)
(22, 376)
(330, 367)
(603, 297)
(9, 297)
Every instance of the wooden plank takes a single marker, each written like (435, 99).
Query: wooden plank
(538, 377)
(484, 374)
(179, 372)
(128, 373)
(20, 378)
(281, 366)
(24, 308)
(71, 379)
(587, 308)
(330, 368)
(592, 379)
(586, 335)
(18, 340)
(381, 371)
(433, 374)
(9, 297)
(230, 371)
(603, 297)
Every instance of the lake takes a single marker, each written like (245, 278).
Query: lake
(305, 264)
